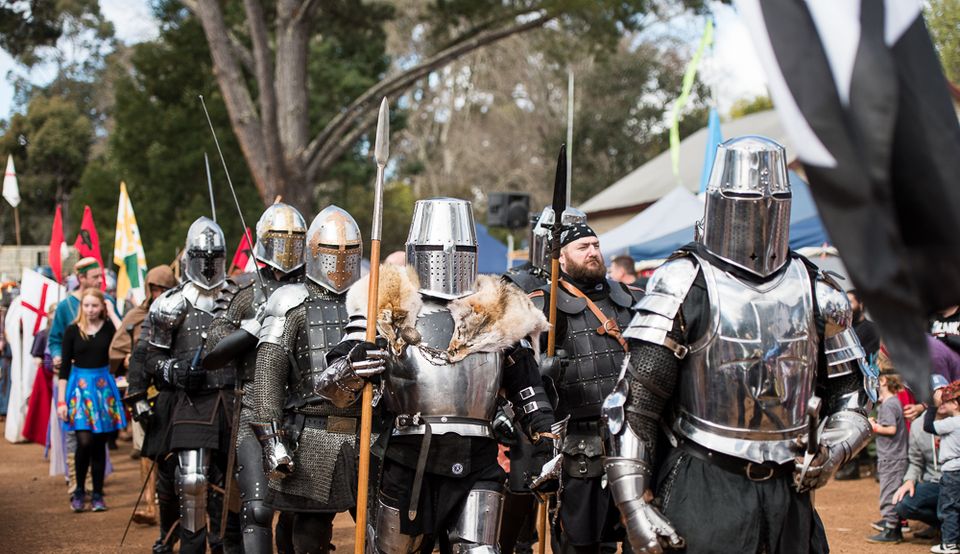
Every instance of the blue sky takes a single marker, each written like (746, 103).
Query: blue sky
(731, 69)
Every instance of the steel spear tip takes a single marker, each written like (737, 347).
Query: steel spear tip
(381, 150)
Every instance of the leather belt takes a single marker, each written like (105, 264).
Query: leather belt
(219, 379)
(751, 470)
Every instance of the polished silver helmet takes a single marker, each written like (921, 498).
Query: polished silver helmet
(205, 254)
(442, 247)
(335, 250)
(746, 218)
(281, 234)
(540, 235)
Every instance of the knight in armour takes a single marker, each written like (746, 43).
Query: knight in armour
(591, 312)
(309, 445)
(450, 342)
(744, 353)
(233, 336)
(518, 531)
(203, 400)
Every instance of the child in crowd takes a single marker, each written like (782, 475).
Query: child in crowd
(948, 505)
(891, 430)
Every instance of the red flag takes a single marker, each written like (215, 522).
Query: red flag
(56, 244)
(88, 243)
(243, 254)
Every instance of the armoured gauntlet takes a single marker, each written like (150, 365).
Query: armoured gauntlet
(844, 434)
(344, 378)
(277, 459)
(628, 477)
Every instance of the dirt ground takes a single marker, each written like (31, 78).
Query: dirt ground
(35, 517)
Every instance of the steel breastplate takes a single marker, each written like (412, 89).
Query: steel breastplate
(326, 316)
(744, 385)
(592, 362)
(458, 397)
(188, 338)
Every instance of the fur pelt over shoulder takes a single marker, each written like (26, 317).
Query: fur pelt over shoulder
(493, 318)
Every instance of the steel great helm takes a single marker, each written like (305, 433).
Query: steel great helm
(540, 234)
(334, 250)
(746, 218)
(281, 234)
(205, 254)
(442, 247)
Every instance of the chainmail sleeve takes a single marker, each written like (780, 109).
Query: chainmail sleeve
(228, 320)
(652, 371)
(273, 368)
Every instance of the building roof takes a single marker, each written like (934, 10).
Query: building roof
(654, 179)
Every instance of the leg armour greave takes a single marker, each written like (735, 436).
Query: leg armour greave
(478, 525)
(192, 488)
(389, 538)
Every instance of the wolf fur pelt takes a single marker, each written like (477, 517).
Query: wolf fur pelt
(493, 318)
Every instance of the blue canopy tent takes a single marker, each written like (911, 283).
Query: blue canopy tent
(492, 253)
(806, 229)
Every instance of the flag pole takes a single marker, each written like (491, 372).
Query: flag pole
(16, 223)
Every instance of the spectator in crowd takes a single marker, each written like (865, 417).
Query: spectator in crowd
(917, 497)
(948, 429)
(946, 327)
(622, 269)
(891, 430)
(943, 361)
(865, 329)
(88, 399)
(87, 274)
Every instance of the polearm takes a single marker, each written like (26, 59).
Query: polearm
(559, 205)
(213, 204)
(237, 391)
(381, 152)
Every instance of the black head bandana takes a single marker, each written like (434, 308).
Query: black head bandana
(574, 232)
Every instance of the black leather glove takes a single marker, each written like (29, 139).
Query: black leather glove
(181, 375)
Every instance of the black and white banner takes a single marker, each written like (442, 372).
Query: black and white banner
(862, 95)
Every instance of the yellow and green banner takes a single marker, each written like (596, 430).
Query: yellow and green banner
(128, 252)
(688, 77)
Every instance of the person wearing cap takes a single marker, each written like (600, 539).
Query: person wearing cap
(159, 280)
(948, 429)
(89, 274)
(591, 311)
(917, 497)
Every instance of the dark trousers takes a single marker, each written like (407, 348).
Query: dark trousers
(948, 507)
(922, 506)
(721, 512)
(518, 526)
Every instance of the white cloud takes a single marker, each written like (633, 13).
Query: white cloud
(132, 19)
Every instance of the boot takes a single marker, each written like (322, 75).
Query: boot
(146, 513)
(889, 535)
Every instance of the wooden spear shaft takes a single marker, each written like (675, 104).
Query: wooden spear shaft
(380, 153)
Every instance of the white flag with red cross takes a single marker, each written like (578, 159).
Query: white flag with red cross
(27, 315)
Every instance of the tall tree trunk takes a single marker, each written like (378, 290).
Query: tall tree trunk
(291, 82)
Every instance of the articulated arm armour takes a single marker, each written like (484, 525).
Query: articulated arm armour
(849, 391)
(632, 413)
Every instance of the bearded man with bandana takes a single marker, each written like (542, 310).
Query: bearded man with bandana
(591, 311)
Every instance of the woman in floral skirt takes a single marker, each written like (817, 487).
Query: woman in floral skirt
(88, 399)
